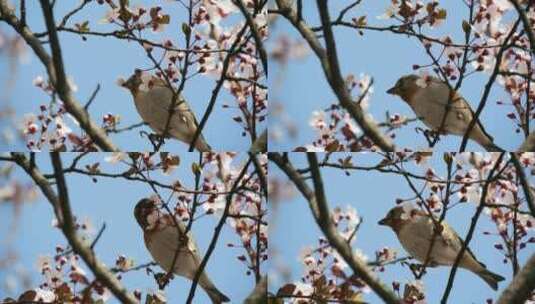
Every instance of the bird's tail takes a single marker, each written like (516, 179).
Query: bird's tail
(490, 277)
(214, 294)
(491, 147)
(201, 145)
(479, 135)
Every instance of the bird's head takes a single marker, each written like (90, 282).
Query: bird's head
(132, 83)
(405, 87)
(143, 209)
(400, 215)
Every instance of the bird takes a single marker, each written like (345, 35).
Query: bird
(153, 98)
(428, 97)
(415, 230)
(161, 236)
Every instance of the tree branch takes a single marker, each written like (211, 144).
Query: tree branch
(56, 73)
(260, 144)
(256, 34)
(471, 230)
(65, 219)
(527, 24)
(318, 205)
(528, 193)
(59, 80)
(522, 286)
(219, 85)
(529, 143)
(217, 231)
(329, 62)
(488, 86)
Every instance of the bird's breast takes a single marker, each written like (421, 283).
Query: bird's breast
(153, 107)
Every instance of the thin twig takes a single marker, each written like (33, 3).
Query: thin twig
(217, 231)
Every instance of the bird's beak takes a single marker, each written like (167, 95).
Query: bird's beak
(393, 91)
(384, 222)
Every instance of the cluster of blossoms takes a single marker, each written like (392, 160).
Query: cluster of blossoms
(505, 202)
(415, 12)
(48, 129)
(384, 256)
(247, 211)
(16, 192)
(210, 35)
(326, 276)
(286, 48)
(489, 37)
(490, 29)
(211, 41)
(336, 128)
(413, 293)
(217, 172)
(492, 26)
(346, 221)
(244, 72)
(138, 18)
(52, 127)
(64, 280)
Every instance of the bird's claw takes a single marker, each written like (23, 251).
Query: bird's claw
(431, 136)
(163, 278)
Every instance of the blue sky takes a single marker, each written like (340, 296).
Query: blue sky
(101, 61)
(112, 201)
(385, 56)
(372, 194)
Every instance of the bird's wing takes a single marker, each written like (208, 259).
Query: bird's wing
(459, 103)
(181, 105)
(451, 238)
(168, 238)
(191, 245)
(478, 123)
(182, 108)
(167, 98)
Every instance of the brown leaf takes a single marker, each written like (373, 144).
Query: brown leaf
(286, 290)
(28, 295)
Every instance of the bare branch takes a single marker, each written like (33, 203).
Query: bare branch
(329, 62)
(255, 32)
(55, 70)
(62, 207)
(488, 87)
(219, 85)
(522, 286)
(318, 205)
(471, 230)
(527, 24)
(529, 143)
(217, 231)
(528, 193)
(260, 144)
(92, 97)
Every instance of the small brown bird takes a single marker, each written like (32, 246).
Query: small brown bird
(153, 98)
(428, 98)
(161, 237)
(415, 230)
